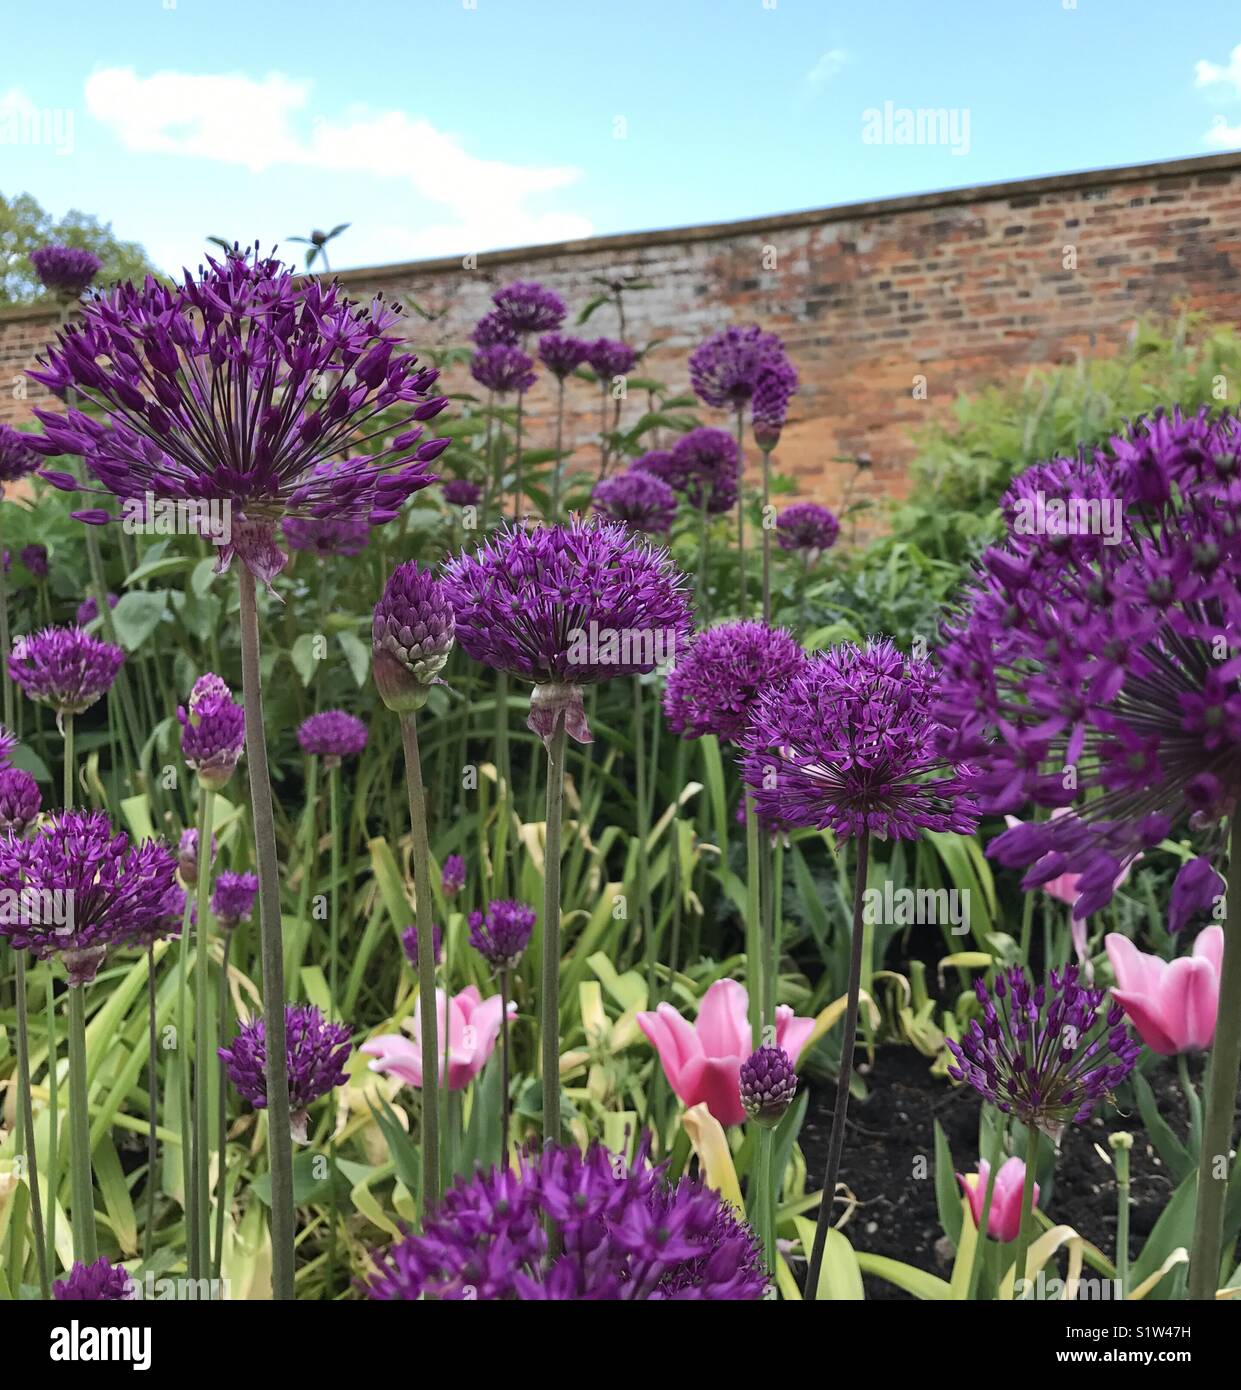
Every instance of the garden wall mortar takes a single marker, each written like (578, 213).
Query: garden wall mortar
(962, 288)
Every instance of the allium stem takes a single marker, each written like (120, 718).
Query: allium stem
(993, 1167)
(333, 993)
(766, 536)
(53, 1123)
(703, 523)
(148, 1237)
(742, 607)
(518, 481)
(426, 966)
(202, 1138)
(836, 1143)
(279, 1135)
(753, 926)
(558, 467)
(499, 867)
(85, 1246)
(1024, 1231)
(764, 1197)
(1121, 1160)
(27, 1117)
(4, 648)
(66, 729)
(549, 1004)
(505, 1065)
(645, 916)
(223, 1031)
(1219, 1118)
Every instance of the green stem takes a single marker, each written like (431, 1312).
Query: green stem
(279, 1134)
(549, 1004)
(202, 1138)
(703, 523)
(1121, 1160)
(427, 1003)
(27, 1117)
(333, 995)
(764, 1206)
(741, 603)
(645, 920)
(836, 1144)
(558, 467)
(766, 536)
(993, 1166)
(85, 1245)
(66, 729)
(4, 649)
(53, 1123)
(753, 926)
(222, 1024)
(1027, 1210)
(505, 1066)
(148, 1237)
(1220, 1110)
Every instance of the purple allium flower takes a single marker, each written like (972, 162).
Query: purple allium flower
(88, 609)
(715, 686)
(161, 925)
(492, 329)
(64, 667)
(1103, 637)
(1196, 889)
(187, 855)
(409, 944)
(452, 877)
(460, 492)
(213, 392)
(213, 731)
(847, 744)
(769, 406)
(20, 800)
(17, 458)
(608, 358)
(326, 535)
(503, 934)
(623, 1234)
(76, 889)
(317, 1052)
(1046, 1055)
(232, 898)
(332, 735)
(566, 606)
(725, 370)
(412, 633)
(526, 307)
(8, 742)
(66, 270)
(808, 528)
(501, 368)
(768, 1085)
(704, 465)
(100, 1282)
(638, 498)
(34, 557)
(562, 355)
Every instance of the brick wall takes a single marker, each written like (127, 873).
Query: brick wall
(960, 288)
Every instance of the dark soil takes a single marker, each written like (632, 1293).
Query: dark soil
(897, 1214)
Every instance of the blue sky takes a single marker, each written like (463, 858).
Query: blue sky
(438, 127)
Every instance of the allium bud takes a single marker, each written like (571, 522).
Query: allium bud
(100, 1282)
(768, 1085)
(213, 731)
(232, 899)
(412, 635)
(452, 880)
(20, 800)
(409, 943)
(503, 934)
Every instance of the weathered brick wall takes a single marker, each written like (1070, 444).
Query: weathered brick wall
(960, 288)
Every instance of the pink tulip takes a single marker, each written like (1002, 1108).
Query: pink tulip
(1004, 1218)
(474, 1026)
(1172, 1004)
(702, 1061)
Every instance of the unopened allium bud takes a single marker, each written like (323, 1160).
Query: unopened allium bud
(452, 880)
(768, 1085)
(232, 899)
(20, 800)
(412, 636)
(213, 731)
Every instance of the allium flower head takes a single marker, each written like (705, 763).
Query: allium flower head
(501, 368)
(703, 466)
(847, 744)
(332, 735)
(726, 369)
(17, 458)
(75, 888)
(34, 557)
(160, 926)
(562, 355)
(101, 1282)
(452, 877)
(213, 731)
(768, 1085)
(88, 609)
(20, 800)
(608, 358)
(623, 1233)
(716, 683)
(409, 943)
(526, 307)
(214, 391)
(64, 667)
(65, 270)
(317, 1052)
(460, 492)
(502, 935)
(232, 898)
(1045, 1055)
(639, 499)
(8, 742)
(412, 633)
(769, 405)
(567, 606)
(1104, 636)
(494, 328)
(808, 528)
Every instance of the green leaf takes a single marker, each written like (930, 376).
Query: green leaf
(357, 654)
(947, 1190)
(1178, 1158)
(840, 1276)
(302, 655)
(170, 564)
(24, 757)
(137, 615)
(915, 1281)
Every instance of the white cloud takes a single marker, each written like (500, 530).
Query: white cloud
(259, 125)
(1208, 74)
(830, 65)
(1223, 136)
